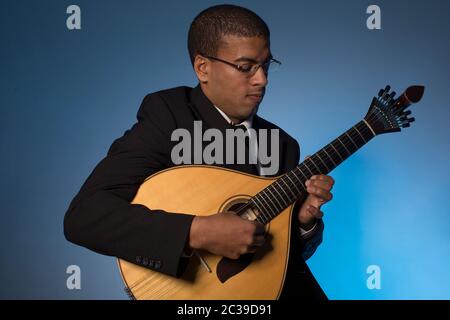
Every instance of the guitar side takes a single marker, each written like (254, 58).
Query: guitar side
(206, 190)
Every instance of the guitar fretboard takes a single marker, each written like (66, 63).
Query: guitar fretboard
(290, 187)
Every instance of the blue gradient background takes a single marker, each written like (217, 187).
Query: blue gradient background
(66, 95)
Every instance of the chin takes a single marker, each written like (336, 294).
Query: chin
(247, 115)
(252, 109)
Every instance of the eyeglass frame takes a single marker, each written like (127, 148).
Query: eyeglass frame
(239, 67)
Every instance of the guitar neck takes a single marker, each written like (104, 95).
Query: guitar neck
(290, 187)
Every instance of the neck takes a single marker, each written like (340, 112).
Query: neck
(290, 187)
(226, 115)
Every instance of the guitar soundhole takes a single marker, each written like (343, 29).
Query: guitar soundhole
(238, 205)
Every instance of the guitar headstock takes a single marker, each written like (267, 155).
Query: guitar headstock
(387, 114)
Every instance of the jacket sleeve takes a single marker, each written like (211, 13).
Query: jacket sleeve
(101, 217)
(308, 244)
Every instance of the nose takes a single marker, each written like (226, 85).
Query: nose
(259, 78)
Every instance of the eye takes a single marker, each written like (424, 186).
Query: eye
(246, 67)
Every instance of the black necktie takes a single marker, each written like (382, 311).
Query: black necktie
(240, 126)
(254, 167)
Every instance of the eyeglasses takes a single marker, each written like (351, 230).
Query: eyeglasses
(250, 68)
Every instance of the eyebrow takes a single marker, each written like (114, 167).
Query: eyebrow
(246, 59)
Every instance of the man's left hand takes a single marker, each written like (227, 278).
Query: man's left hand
(318, 188)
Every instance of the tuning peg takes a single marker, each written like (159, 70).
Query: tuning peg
(381, 92)
(403, 115)
(402, 108)
(404, 119)
(388, 87)
(406, 125)
(392, 94)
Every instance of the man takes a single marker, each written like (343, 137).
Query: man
(229, 48)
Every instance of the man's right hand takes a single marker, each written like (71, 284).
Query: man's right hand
(226, 234)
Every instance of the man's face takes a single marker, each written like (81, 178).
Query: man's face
(236, 93)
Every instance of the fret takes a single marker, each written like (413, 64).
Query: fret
(360, 134)
(269, 210)
(301, 171)
(357, 138)
(261, 212)
(290, 189)
(287, 175)
(282, 188)
(323, 168)
(277, 209)
(310, 159)
(304, 163)
(331, 144)
(362, 129)
(288, 197)
(368, 126)
(262, 220)
(356, 146)
(349, 153)
(331, 158)
(284, 200)
(270, 202)
(268, 205)
(328, 169)
(293, 172)
(368, 134)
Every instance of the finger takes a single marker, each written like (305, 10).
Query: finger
(322, 177)
(260, 229)
(323, 194)
(315, 212)
(324, 184)
(319, 214)
(251, 249)
(254, 247)
(315, 201)
(258, 241)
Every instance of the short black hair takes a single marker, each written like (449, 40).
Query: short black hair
(211, 24)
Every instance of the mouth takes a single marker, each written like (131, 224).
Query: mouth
(256, 96)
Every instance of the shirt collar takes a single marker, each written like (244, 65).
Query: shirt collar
(247, 123)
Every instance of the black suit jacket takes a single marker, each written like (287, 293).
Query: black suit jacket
(101, 218)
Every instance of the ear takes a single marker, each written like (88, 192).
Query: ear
(201, 68)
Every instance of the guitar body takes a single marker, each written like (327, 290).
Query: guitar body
(206, 190)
